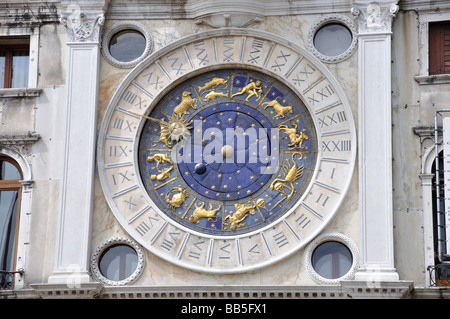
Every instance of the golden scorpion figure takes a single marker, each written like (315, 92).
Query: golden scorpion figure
(291, 174)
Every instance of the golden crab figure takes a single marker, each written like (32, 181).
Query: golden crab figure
(178, 197)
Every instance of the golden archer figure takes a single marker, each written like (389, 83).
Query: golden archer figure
(253, 88)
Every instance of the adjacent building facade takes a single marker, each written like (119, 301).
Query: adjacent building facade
(116, 184)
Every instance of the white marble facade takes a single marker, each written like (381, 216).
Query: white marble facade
(52, 128)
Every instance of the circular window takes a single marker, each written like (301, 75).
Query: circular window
(125, 44)
(332, 260)
(333, 39)
(117, 261)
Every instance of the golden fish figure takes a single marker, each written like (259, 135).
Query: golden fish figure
(178, 198)
(242, 212)
(291, 174)
(212, 95)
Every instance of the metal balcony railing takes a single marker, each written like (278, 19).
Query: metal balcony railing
(7, 278)
(439, 275)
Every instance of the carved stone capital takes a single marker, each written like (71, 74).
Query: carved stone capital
(375, 16)
(82, 27)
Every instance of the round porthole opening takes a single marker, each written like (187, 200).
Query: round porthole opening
(127, 45)
(332, 260)
(118, 262)
(333, 39)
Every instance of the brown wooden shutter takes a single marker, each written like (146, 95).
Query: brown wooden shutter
(439, 48)
(447, 49)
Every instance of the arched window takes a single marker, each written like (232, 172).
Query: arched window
(440, 272)
(10, 193)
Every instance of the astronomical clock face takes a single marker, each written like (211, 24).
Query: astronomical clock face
(226, 153)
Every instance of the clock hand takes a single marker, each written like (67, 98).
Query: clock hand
(177, 128)
(148, 117)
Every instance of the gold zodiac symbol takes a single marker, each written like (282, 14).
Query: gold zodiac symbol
(213, 83)
(177, 199)
(242, 212)
(253, 88)
(159, 158)
(279, 109)
(212, 95)
(165, 132)
(163, 174)
(185, 104)
(201, 212)
(291, 174)
(296, 139)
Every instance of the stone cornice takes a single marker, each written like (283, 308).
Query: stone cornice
(344, 290)
(197, 9)
(65, 291)
(17, 140)
(19, 14)
(90, 8)
(19, 92)
(425, 5)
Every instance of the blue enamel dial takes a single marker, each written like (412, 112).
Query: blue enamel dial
(238, 173)
(227, 152)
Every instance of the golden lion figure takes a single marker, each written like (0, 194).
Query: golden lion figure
(201, 212)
